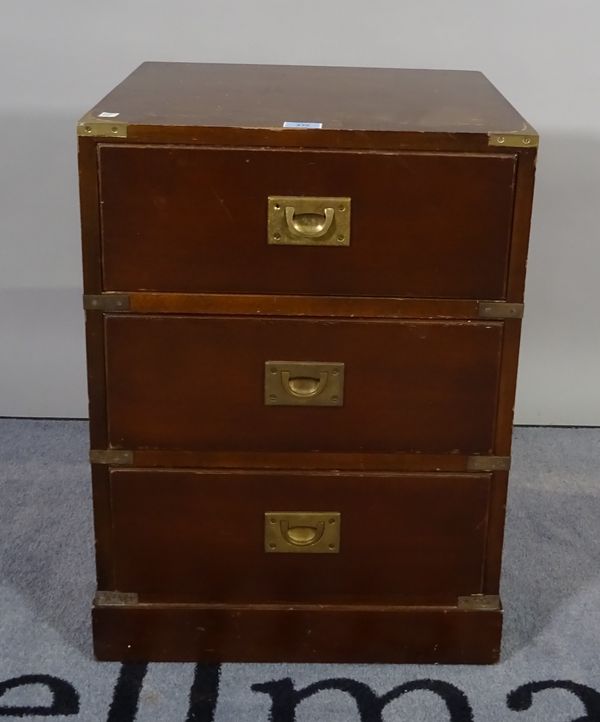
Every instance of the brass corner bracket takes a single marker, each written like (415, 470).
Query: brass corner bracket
(480, 602)
(499, 309)
(106, 302)
(101, 129)
(112, 457)
(488, 463)
(513, 140)
(115, 599)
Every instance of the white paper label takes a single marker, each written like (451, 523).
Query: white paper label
(301, 124)
(108, 115)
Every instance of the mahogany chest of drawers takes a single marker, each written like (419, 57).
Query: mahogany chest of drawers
(303, 292)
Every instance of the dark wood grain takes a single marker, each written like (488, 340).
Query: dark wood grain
(521, 226)
(349, 461)
(96, 380)
(229, 633)
(195, 220)
(174, 215)
(92, 283)
(198, 383)
(467, 142)
(310, 306)
(493, 564)
(507, 387)
(343, 99)
(90, 215)
(192, 533)
(103, 527)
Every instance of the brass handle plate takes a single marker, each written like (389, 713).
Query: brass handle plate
(308, 221)
(304, 383)
(304, 532)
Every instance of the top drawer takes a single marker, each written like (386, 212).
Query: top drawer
(194, 219)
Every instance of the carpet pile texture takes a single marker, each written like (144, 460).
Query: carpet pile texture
(550, 667)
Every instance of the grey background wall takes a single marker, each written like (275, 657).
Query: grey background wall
(57, 58)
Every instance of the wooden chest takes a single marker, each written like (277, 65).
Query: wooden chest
(303, 292)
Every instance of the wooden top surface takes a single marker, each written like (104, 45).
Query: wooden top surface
(266, 96)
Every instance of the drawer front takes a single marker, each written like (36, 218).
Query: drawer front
(195, 220)
(201, 383)
(402, 537)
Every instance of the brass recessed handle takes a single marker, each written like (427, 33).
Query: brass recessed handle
(298, 532)
(301, 536)
(308, 220)
(304, 383)
(308, 225)
(304, 386)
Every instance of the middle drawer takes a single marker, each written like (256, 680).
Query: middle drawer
(205, 383)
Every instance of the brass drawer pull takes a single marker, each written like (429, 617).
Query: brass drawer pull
(302, 532)
(308, 221)
(301, 536)
(303, 383)
(309, 225)
(303, 386)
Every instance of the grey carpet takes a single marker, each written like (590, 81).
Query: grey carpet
(551, 591)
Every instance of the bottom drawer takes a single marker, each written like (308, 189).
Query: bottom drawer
(307, 537)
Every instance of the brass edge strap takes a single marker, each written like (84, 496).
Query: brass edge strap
(113, 457)
(107, 302)
(488, 463)
(101, 129)
(115, 599)
(500, 309)
(480, 602)
(514, 140)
